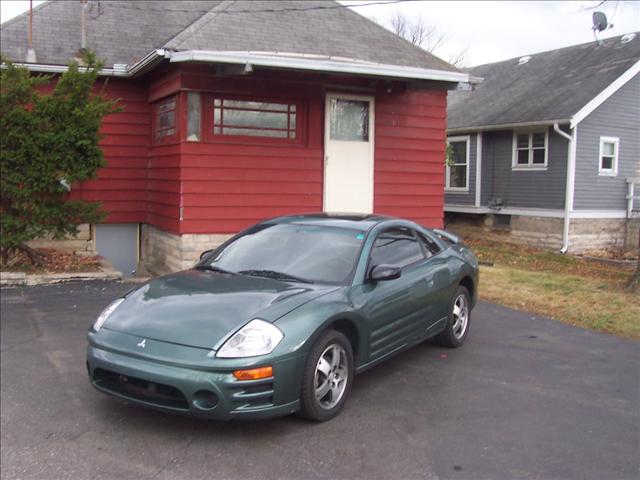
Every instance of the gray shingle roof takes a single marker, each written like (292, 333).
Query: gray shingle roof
(126, 31)
(552, 85)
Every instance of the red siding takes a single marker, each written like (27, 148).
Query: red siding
(410, 135)
(223, 187)
(122, 185)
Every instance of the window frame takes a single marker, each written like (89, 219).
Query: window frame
(530, 166)
(382, 232)
(447, 187)
(172, 138)
(208, 118)
(428, 254)
(613, 171)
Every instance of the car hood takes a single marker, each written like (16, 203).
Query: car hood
(202, 308)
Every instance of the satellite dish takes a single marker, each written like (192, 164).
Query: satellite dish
(599, 22)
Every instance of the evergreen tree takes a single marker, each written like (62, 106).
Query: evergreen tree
(48, 142)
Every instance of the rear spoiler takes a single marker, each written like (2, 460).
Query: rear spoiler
(447, 236)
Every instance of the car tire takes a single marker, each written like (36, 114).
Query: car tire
(327, 377)
(455, 333)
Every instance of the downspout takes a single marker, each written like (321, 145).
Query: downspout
(569, 188)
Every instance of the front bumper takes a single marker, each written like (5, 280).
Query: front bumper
(204, 393)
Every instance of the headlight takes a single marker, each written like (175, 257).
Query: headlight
(256, 338)
(106, 313)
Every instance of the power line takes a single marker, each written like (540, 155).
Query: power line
(266, 10)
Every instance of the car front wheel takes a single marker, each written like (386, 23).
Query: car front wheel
(455, 332)
(327, 378)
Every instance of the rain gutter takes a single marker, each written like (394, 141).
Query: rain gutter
(570, 185)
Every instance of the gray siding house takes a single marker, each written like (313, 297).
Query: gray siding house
(547, 148)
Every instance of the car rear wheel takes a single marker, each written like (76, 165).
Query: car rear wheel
(457, 327)
(327, 377)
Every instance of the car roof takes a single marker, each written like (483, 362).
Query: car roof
(354, 221)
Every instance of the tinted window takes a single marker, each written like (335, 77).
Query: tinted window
(396, 246)
(320, 254)
(430, 246)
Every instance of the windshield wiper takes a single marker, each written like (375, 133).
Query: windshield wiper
(211, 268)
(274, 274)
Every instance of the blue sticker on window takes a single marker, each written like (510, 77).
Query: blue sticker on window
(360, 236)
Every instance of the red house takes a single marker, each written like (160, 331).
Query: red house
(236, 111)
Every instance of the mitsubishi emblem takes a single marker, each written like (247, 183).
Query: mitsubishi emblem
(143, 343)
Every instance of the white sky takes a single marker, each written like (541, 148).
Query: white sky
(490, 31)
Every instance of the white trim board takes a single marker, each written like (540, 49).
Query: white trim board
(536, 212)
(478, 168)
(320, 63)
(505, 126)
(599, 99)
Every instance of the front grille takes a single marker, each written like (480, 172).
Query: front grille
(138, 389)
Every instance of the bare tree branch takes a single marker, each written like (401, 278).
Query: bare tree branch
(426, 36)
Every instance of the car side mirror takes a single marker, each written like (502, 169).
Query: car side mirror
(205, 253)
(381, 273)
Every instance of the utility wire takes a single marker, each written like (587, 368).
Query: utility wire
(266, 10)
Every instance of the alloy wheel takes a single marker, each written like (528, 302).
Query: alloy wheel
(331, 375)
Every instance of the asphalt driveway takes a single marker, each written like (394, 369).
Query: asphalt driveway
(524, 398)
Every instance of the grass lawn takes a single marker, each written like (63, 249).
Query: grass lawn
(582, 292)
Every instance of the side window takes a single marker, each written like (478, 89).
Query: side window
(431, 248)
(396, 246)
(165, 119)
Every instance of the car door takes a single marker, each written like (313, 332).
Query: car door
(432, 292)
(390, 307)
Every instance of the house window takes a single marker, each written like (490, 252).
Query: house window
(530, 150)
(254, 119)
(165, 118)
(193, 116)
(608, 156)
(457, 174)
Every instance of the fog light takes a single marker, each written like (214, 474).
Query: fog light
(254, 373)
(205, 399)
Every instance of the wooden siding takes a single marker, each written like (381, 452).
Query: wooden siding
(225, 186)
(522, 188)
(409, 155)
(618, 116)
(122, 185)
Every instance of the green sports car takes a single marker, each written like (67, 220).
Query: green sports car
(281, 317)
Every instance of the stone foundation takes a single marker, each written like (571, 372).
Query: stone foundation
(585, 234)
(163, 252)
(83, 243)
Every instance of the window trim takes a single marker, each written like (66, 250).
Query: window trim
(208, 120)
(447, 188)
(530, 166)
(613, 171)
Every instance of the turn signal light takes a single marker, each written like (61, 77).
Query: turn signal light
(254, 373)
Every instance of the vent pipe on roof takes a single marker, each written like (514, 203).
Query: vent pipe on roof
(524, 60)
(31, 53)
(83, 25)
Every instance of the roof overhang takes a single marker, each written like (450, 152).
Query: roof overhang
(508, 126)
(320, 63)
(118, 70)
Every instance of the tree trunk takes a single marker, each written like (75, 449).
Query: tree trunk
(35, 256)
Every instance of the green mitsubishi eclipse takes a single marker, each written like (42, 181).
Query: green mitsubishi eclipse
(281, 317)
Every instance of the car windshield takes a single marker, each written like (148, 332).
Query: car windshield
(293, 252)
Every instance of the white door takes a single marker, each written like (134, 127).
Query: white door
(348, 150)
